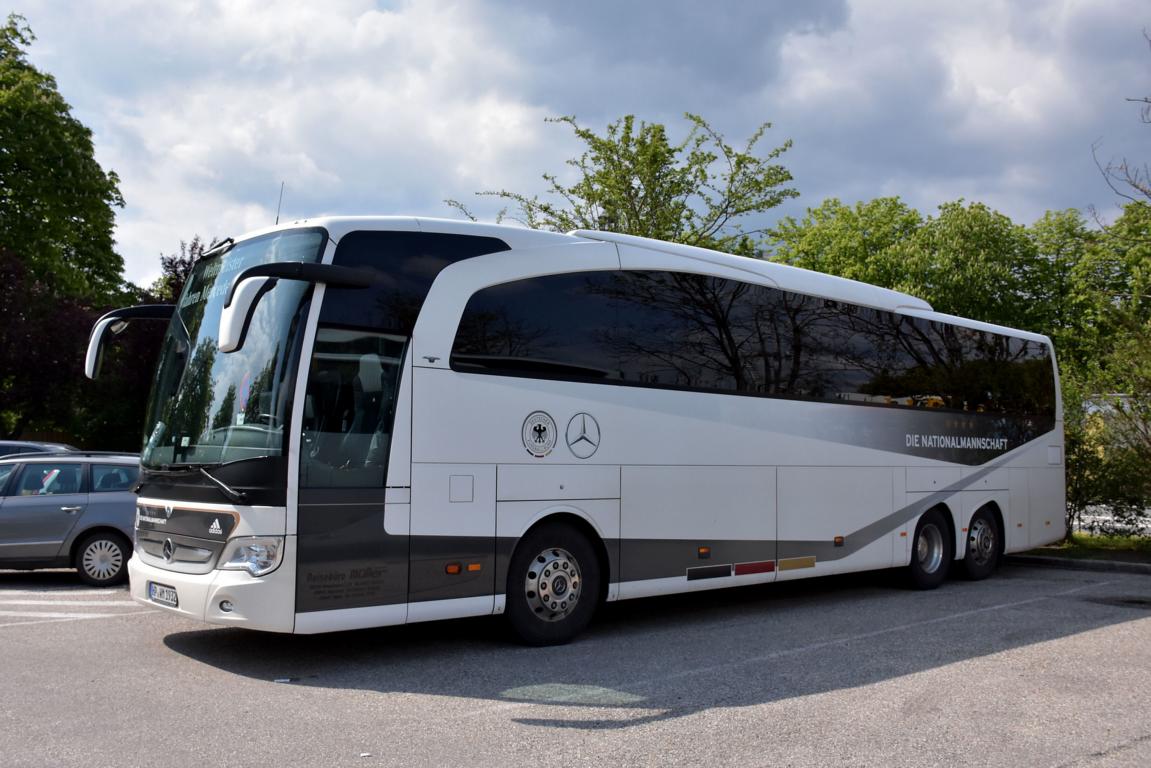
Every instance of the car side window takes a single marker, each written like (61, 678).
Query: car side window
(51, 479)
(111, 477)
(5, 473)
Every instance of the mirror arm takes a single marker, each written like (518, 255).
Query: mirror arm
(328, 274)
(249, 286)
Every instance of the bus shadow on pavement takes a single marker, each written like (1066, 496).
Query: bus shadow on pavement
(657, 659)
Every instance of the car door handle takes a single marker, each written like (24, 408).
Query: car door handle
(70, 510)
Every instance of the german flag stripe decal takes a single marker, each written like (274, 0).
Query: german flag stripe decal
(794, 563)
(708, 572)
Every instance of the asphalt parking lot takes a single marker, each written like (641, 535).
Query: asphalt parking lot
(1036, 666)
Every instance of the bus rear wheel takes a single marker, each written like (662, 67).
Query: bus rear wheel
(984, 543)
(932, 551)
(553, 585)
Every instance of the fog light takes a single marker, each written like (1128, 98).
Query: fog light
(226, 606)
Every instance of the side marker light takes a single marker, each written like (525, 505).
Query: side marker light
(452, 569)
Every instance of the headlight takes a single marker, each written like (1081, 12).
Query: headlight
(258, 555)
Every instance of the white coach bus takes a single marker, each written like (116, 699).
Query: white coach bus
(360, 422)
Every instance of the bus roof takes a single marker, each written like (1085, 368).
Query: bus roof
(782, 275)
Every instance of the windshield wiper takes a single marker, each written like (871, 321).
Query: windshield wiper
(236, 497)
(176, 470)
(219, 249)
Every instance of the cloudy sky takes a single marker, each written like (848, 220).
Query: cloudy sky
(365, 106)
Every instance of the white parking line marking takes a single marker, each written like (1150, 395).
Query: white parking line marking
(54, 615)
(59, 591)
(101, 603)
(56, 621)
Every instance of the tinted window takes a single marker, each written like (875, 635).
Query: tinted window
(557, 325)
(5, 473)
(349, 409)
(676, 330)
(50, 479)
(113, 477)
(405, 265)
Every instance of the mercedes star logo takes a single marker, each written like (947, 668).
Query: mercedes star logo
(583, 435)
(169, 549)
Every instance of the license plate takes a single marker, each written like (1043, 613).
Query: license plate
(163, 594)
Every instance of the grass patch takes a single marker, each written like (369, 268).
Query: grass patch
(1131, 549)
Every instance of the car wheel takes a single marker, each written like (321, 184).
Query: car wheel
(984, 542)
(553, 585)
(102, 559)
(932, 551)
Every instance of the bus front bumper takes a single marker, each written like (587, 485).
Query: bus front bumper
(232, 598)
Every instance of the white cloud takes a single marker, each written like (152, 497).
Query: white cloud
(988, 100)
(204, 107)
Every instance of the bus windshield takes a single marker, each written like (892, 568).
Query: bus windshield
(209, 407)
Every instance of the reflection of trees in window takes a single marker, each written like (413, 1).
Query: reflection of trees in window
(807, 347)
(712, 333)
(547, 326)
(190, 409)
(224, 416)
(667, 329)
(262, 406)
(681, 330)
(497, 332)
(920, 363)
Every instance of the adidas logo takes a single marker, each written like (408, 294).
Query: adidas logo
(215, 527)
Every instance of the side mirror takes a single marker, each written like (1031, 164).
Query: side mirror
(250, 285)
(113, 324)
(237, 314)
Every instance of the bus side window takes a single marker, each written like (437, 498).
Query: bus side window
(350, 405)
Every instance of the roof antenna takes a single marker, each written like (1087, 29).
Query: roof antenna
(279, 202)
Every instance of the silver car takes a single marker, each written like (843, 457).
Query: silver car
(74, 509)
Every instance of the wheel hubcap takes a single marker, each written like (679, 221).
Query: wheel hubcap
(102, 559)
(552, 584)
(929, 548)
(981, 541)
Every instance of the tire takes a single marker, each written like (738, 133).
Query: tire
(551, 563)
(932, 551)
(102, 559)
(984, 544)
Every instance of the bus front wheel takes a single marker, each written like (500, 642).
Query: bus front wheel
(553, 585)
(932, 551)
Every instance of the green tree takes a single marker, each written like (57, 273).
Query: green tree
(56, 202)
(634, 180)
(968, 260)
(844, 240)
(176, 267)
(1065, 302)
